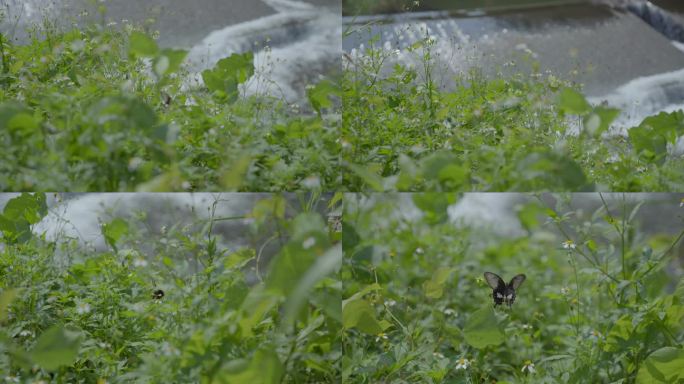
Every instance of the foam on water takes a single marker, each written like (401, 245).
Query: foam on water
(289, 47)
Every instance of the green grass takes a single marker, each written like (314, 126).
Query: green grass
(402, 132)
(98, 109)
(71, 314)
(599, 304)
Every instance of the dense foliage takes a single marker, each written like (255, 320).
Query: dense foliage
(601, 303)
(98, 109)
(172, 305)
(403, 132)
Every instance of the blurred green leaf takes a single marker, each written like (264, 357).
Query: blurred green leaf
(358, 313)
(6, 298)
(56, 347)
(20, 213)
(482, 328)
(434, 288)
(320, 95)
(665, 365)
(143, 45)
(573, 102)
(264, 368)
(114, 231)
(228, 73)
(599, 120)
(434, 205)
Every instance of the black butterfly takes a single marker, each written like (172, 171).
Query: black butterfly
(502, 292)
(158, 294)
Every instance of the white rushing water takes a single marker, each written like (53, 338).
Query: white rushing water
(294, 42)
(290, 46)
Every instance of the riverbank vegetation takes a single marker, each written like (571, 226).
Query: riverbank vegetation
(601, 302)
(404, 131)
(173, 304)
(105, 109)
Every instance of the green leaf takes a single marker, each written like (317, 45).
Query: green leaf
(228, 73)
(324, 265)
(551, 171)
(573, 102)
(651, 137)
(264, 368)
(665, 365)
(599, 120)
(141, 44)
(19, 214)
(434, 288)
(529, 215)
(320, 95)
(6, 298)
(239, 258)
(359, 314)
(169, 61)
(482, 329)
(434, 205)
(56, 347)
(114, 230)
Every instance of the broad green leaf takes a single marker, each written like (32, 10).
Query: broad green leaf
(434, 288)
(666, 365)
(19, 214)
(360, 314)
(264, 368)
(55, 347)
(482, 328)
(320, 94)
(571, 101)
(529, 215)
(369, 175)
(599, 120)
(142, 45)
(6, 298)
(651, 137)
(228, 73)
(551, 171)
(114, 231)
(619, 334)
(239, 258)
(324, 265)
(434, 205)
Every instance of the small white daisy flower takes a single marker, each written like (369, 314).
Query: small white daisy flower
(526, 326)
(529, 367)
(140, 262)
(449, 312)
(595, 335)
(26, 333)
(390, 303)
(569, 244)
(381, 337)
(462, 363)
(437, 355)
(565, 291)
(308, 243)
(82, 308)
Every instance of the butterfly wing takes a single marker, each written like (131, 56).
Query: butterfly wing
(494, 280)
(516, 281)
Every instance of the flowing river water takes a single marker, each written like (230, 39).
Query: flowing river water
(295, 42)
(627, 53)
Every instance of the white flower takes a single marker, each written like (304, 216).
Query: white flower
(462, 363)
(390, 303)
(419, 251)
(565, 291)
(681, 203)
(381, 337)
(526, 326)
(308, 243)
(82, 308)
(569, 244)
(437, 355)
(26, 333)
(449, 312)
(529, 367)
(140, 262)
(595, 335)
